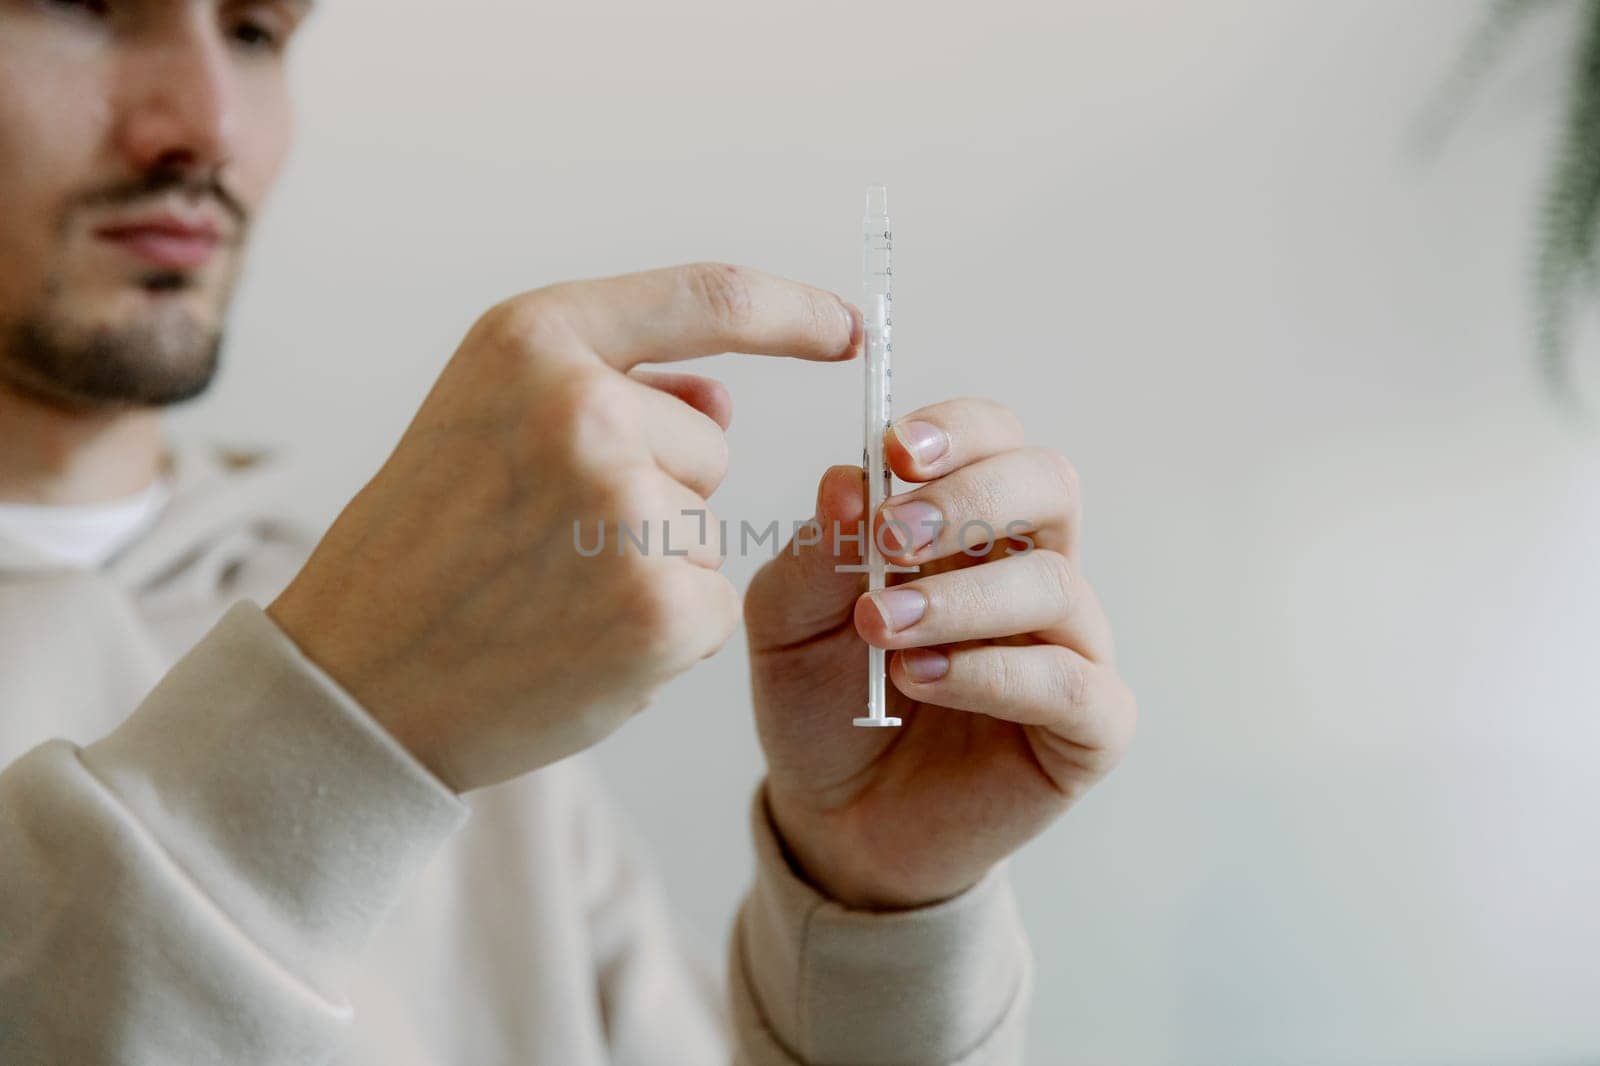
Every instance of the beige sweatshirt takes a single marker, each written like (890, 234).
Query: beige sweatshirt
(209, 853)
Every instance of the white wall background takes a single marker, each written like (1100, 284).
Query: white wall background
(1348, 545)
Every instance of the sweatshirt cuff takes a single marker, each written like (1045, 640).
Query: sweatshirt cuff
(277, 795)
(814, 981)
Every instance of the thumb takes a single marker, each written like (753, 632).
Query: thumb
(801, 593)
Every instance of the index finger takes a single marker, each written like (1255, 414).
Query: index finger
(681, 312)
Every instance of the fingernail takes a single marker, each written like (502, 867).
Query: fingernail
(854, 322)
(925, 664)
(925, 441)
(901, 608)
(910, 525)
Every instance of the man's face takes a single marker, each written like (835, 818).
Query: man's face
(137, 139)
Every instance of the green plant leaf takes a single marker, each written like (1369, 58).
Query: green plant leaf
(1567, 267)
(1570, 214)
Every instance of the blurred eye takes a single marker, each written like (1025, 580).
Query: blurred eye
(256, 36)
(261, 25)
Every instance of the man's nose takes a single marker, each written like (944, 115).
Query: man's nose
(176, 101)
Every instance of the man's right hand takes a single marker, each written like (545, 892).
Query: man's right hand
(450, 597)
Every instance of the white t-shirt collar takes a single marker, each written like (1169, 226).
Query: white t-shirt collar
(84, 535)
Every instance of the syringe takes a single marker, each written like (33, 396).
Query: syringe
(877, 278)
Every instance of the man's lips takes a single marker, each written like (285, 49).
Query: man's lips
(165, 241)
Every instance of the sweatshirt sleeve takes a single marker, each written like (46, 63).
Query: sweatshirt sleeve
(815, 982)
(196, 886)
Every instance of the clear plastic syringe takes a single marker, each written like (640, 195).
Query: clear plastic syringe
(877, 278)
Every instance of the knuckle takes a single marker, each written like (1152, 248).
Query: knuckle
(1130, 714)
(694, 533)
(1103, 714)
(1002, 679)
(1009, 420)
(594, 412)
(1069, 683)
(988, 404)
(696, 512)
(633, 495)
(497, 322)
(731, 612)
(526, 322)
(1066, 475)
(720, 457)
(676, 622)
(996, 414)
(723, 293)
(1062, 581)
(656, 613)
(713, 525)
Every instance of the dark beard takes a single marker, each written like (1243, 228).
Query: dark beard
(151, 365)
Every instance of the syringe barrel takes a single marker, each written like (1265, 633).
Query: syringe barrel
(878, 245)
(878, 307)
(878, 409)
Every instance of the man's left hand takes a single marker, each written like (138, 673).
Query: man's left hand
(1001, 667)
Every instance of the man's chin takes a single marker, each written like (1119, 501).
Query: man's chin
(160, 348)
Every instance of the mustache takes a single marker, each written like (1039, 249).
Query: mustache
(162, 182)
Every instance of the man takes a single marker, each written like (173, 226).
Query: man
(341, 827)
